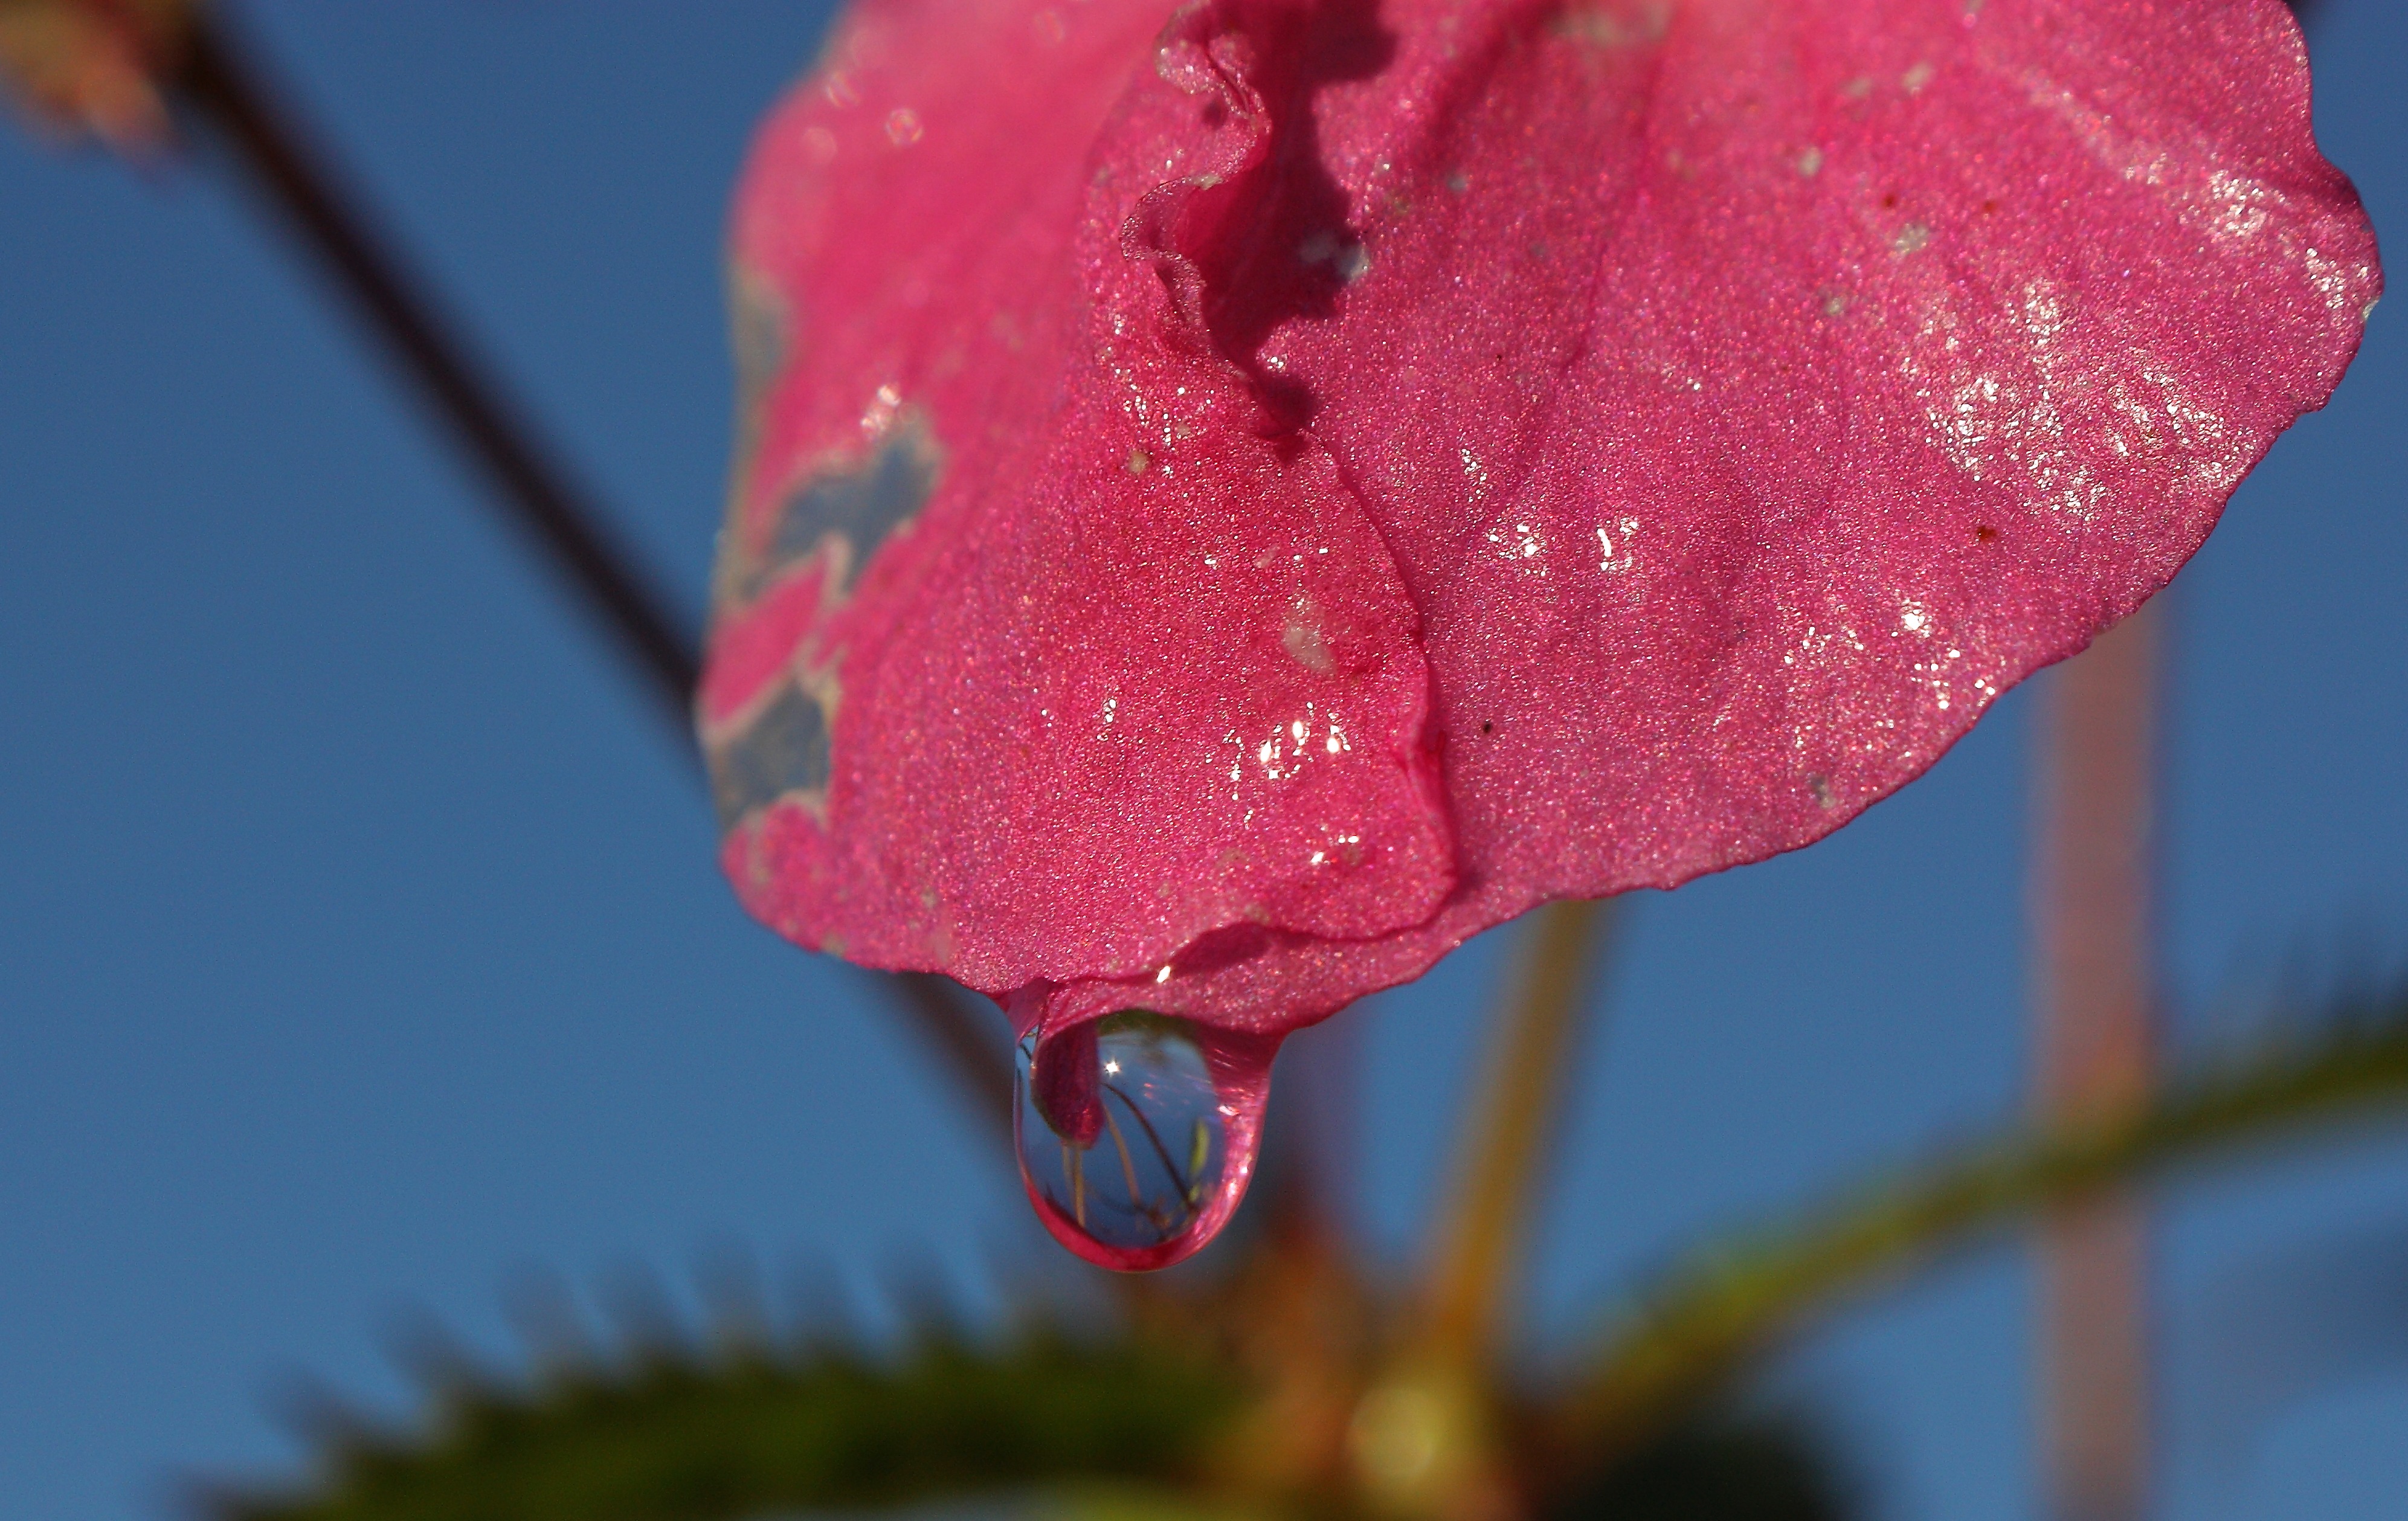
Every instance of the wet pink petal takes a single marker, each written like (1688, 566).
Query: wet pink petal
(1233, 508)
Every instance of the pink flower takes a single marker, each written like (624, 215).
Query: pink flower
(1229, 509)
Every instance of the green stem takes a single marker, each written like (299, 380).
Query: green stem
(1731, 1305)
(1504, 1141)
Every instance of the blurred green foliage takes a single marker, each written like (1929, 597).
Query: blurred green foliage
(1141, 1420)
(753, 1427)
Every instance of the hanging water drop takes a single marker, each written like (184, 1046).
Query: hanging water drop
(1136, 1133)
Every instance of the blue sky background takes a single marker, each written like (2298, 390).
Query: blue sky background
(361, 945)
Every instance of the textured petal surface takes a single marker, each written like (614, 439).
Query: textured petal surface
(1230, 509)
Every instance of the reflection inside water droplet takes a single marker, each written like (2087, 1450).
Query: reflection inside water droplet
(1136, 1133)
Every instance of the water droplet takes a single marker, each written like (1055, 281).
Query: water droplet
(1136, 1133)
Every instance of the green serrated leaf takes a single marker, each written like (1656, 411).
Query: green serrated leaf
(678, 1437)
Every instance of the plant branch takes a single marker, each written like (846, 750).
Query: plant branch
(1730, 1306)
(219, 82)
(1477, 1249)
(2093, 975)
(975, 1051)
(214, 77)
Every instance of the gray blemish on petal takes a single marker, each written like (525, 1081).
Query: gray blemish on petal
(757, 326)
(842, 514)
(758, 330)
(783, 751)
(860, 506)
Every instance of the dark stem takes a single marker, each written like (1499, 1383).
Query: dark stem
(968, 1043)
(221, 86)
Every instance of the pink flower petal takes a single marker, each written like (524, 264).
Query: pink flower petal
(1231, 510)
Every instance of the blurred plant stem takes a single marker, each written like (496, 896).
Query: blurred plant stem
(1734, 1304)
(967, 1036)
(1475, 1257)
(2092, 985)
(66, 57)
(1424, 1436)
(224, 87)
(71, 59)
